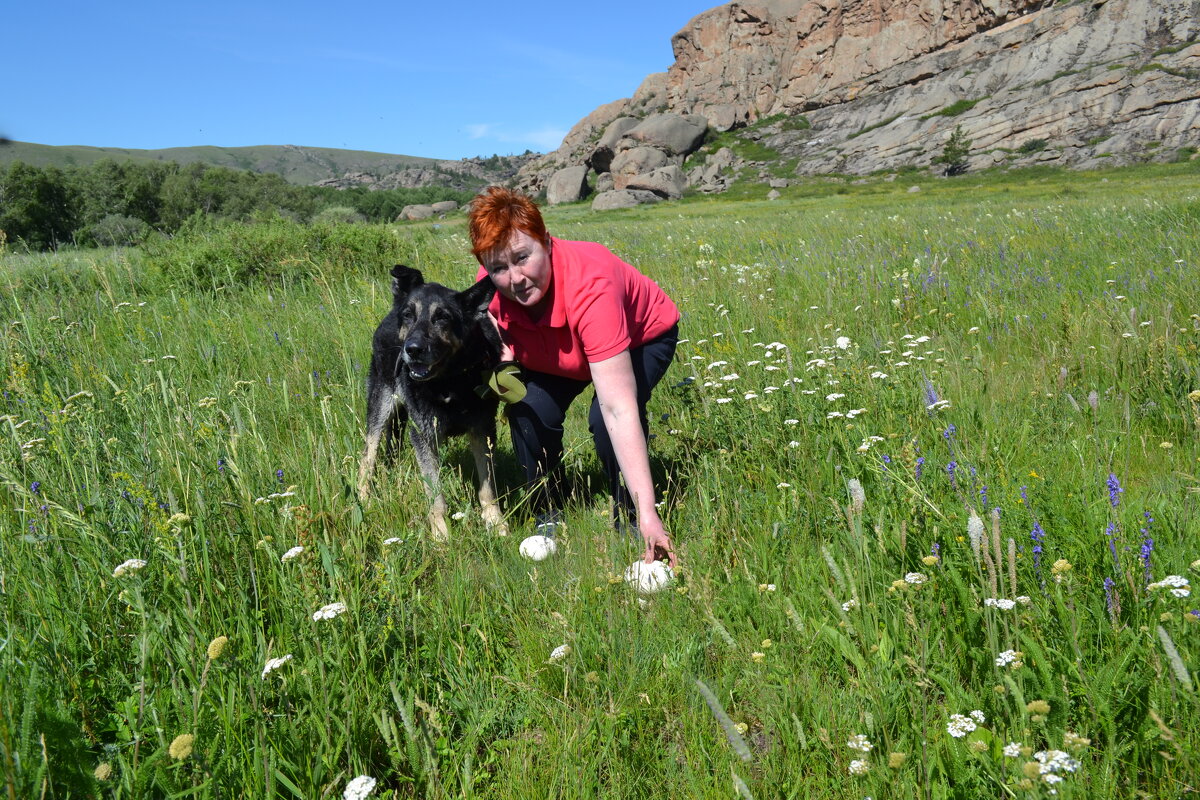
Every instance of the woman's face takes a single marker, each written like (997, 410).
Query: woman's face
(521, 270)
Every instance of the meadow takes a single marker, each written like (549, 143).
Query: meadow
(930, 459)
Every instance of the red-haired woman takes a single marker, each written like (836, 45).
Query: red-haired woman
(573, 314)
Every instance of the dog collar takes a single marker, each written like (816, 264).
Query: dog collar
(505, 381)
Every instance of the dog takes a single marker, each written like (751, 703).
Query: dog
(430, 355)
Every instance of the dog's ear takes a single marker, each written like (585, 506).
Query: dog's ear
(476, 299)
(404, 280)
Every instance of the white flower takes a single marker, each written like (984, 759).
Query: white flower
(793, 443)
(1012, 749)
(858, 497)
(1176, 583)
(975, 532)
(834, 415)
(733, 376)
(359, 788)
(274, 664)
(750, 396)
(959, 726)
(859, 742)
(1001, 603)
(391, 541)
(290, 554)
(329, 611)
(938, 406)
(1006, 658)
(978, 717)
(783, 485)
(915, 578)
(834, 396)
(724, 400)
(1024, 600)
(128, 567)
(560, 652)
(854, 412)
(859, 767)
(1053, 761)
(843, 342)
(850, 605)
(457, 515)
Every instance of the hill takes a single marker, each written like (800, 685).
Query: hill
(301, 166)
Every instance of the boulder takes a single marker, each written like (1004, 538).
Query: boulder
(673, 133)
(568, 185)
(622, 198)
(666, 182)
(602, 155)
(636, 161)
(604, 182)
(420, 211)
(444, 206)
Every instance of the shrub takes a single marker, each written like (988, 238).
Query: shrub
(114, 230)
(954, 154)
(1033, 146)
(338, 214)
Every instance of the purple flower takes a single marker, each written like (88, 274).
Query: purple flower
(221, 465)
(35, 487)
(931, 395)
(279, 475)
(936, 550)
(1111, 599)
(950, 431)
(1114, 490)
(983, 496)
(953, 465)
(1111, 533)
(1038, 535)
(920, 465)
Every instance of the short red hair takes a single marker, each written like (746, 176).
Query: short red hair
(495, 213)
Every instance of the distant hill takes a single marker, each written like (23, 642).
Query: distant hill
(302, 166)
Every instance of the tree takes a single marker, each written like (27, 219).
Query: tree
(954, 154)
(36, 206)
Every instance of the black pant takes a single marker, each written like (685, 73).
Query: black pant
(537, 426)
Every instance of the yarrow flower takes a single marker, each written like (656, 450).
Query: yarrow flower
(274, 664)
(1007, 657)
(560, 652)
(959, 725)
(329, 611)
(128, 567)
(1012, 749)
(290, 554)
(859, 767)
(915, 578)
(1001, 603)
(850, 605)
(359, 788)
(860, 742)
(1177, 584)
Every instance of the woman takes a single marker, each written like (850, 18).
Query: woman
(572, 313)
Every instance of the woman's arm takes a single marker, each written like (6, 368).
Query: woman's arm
(616, 389)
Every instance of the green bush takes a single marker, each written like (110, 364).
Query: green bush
(209, 254)
(114, 230)
(338, 214)
(1033, 146)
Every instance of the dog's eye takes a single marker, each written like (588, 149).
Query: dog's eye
(441, 318)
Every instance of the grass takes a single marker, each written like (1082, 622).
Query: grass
(208, 428)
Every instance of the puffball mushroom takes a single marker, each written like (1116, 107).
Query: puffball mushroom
(538, 548)
(648, 578)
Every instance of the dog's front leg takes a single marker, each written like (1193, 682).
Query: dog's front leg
(426, 450)
(383, 411)
(483, 448)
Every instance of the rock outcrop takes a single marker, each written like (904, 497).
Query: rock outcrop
(881, 86)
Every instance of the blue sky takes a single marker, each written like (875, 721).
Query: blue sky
(442, 80)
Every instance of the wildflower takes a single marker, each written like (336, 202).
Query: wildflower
(834, 396)
(216, 647)
(128, 567)
(329, 611)
(896, 760)
(859, 742)
(858, 497)
(359, 788)
(1009, 657)
(103, 772)
(1114, 489)
(930, 561)
(1059, 569)
(850, 605)
(391, 541)
(1037, 707)
(1000, 602)
(877, 375)
(1074, 741)
(1012, 750)
(292, 553)
(842, 342)
(791, 422)
(975, 532)
(1177, 584)
(915, 578)
(959, 726)
(274, 664)
(181, 747)
(560, 652)
(977, 746)
(1053, 761)
(783, 485)
(740, 727)
(859, 767)
(766, 644)
(757, 657)
(458, 515)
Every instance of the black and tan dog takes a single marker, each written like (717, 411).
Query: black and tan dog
(430, 355)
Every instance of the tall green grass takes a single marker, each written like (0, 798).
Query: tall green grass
(1038, 337)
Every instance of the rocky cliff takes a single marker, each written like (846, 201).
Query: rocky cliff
(882, 85)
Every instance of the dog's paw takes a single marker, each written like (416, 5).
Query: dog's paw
(495, 520)
(438, 528)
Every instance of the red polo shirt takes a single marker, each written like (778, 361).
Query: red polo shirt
(601, 306)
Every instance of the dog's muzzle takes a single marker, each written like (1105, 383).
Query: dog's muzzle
(415, 360)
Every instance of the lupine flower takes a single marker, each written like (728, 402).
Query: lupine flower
(1146, 551)
(953, 465)
(920, 465)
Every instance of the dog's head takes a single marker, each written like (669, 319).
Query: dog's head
(435, 323)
